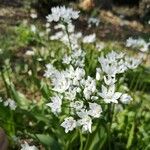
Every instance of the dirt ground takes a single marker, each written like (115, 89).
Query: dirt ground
(113, 26)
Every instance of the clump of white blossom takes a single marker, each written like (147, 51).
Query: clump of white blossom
(139, 43)
(80, 94)
(77, 96)
(89, 38)
(26, 146)
(62, 14)
(62, 35)
(9, 103)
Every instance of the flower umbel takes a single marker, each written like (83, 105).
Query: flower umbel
(62, 14)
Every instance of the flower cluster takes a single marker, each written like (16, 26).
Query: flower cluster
(26, 146)
(65, 32)
(9, 102)
(80, 94)
(138, 43)
(62, 35)
(115, 63)
(62, 14)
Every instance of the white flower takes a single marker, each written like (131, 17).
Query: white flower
(75, 75)
(98, 73)
(95, 110)
(85, 121)
(59, 26)
(50, 70)
(26, 146)
(134, 42)
(33, 28)
(11, 103)
(100, 46)
(86, 124)
(113, 56)
(60, 82)
(108, 67)
(57, 35)
(47, 25)
(131, 62)
(89, 38)
(109, 80)
(113, 63)
(94, 98)
(55, 105)
(79, 73)
(62, 14)
(71, 94)
(109, 95)
(71, 28)
(93, 21)
(29, 53)
(69, 124)
(66, 59)
(138, 43)
(77, 105)
(125, 98)
(33, 15)
(89, 87)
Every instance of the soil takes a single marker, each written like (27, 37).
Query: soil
(116, 25)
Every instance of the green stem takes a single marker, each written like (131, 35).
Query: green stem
(6, 85)
(110, 120)
(138, 81)
(66, 28)
(87, 141)
(132, 82)
(81, 140)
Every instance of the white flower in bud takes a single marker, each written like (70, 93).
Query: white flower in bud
(125, 98)
(98, 73)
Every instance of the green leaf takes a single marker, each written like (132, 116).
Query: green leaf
(48, 141)
(131, 136)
